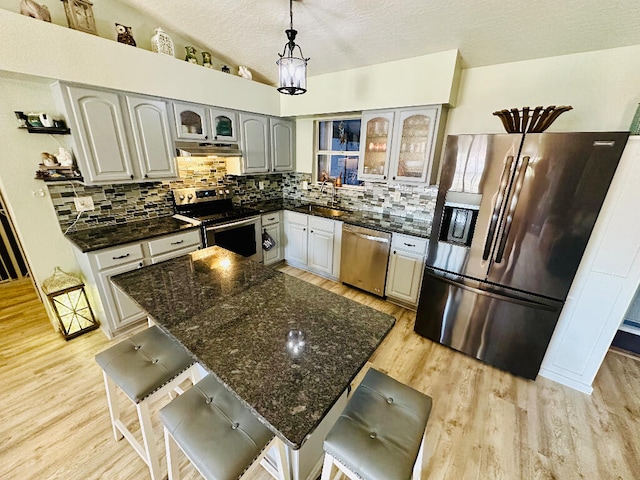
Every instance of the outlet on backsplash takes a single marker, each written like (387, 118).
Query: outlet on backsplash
(395, 196)
(83, 204)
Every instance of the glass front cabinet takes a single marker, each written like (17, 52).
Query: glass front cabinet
(198, 122)
(399, 145)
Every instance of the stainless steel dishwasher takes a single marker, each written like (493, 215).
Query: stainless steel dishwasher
(364, 258)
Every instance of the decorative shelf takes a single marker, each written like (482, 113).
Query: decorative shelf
(51, 130)
(65, 173)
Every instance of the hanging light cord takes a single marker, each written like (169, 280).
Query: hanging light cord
(291, 14)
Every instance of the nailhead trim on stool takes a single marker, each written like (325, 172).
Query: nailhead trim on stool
(380, 433)
(218, 434)
(144, 367)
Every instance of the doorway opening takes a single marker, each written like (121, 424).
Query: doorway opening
(13, 265)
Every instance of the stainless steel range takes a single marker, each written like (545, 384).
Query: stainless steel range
(235, 228)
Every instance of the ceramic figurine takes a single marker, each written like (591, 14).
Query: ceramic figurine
(48, 159)
(161, 43)
(34, 10)
(225, 69)
(206, 60)
(124, 35)
(191, 54)
(64, 157)
(244, 72)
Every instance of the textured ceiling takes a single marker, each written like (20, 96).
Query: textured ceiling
(339, 34)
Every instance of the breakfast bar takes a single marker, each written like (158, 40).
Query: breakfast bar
(287, 349)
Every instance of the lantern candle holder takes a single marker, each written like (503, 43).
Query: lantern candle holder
(69, 302)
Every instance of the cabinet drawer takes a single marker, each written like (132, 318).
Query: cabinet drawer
(174, 242)
(118, 256)
(270, 218)
(407, 243)
(323, 224)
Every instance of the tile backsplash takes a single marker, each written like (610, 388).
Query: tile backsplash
(121, 203)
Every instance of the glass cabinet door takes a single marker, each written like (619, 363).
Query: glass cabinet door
(190, 122)
(413, 145)
(375, 145)
(223, 124)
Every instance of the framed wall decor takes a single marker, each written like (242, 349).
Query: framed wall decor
(80, 15)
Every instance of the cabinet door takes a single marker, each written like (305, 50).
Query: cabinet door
(413, 144)
(191, 121)
(404, 276)
(321, 251)
(121, 309)
(101, 139)
(223, 125)
(282, 145)
(255, 143)
(152, 136)
(375, 145)
(296, 247)
(275, 254)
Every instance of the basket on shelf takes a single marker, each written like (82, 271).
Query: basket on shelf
(529, 120)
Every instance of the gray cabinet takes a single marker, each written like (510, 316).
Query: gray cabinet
(152, 137)
(224, 125)
(282, 144)
(118, 137)
(115, 310)
(255, 143)
(97, 122)
(406, 266)
(190, 121)
(272, 224)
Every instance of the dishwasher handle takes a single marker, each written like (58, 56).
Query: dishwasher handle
(368, 237)
(366, 233)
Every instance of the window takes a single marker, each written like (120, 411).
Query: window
(338, 150)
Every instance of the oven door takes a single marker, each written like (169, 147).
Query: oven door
(243, 237)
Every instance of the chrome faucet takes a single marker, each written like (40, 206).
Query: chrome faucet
(333, 190)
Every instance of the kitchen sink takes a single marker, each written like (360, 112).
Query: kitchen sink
(326, 211)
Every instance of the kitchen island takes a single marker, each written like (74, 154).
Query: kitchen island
(234, 316)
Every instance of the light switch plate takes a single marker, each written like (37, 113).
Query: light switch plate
(395, 196)
(305, 185)
(261, 185)
(83, 204)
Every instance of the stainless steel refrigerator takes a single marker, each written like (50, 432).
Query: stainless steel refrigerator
(513, 216)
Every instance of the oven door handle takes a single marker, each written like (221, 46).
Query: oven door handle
(227, 226)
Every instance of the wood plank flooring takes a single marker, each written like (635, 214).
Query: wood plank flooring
(485, 424)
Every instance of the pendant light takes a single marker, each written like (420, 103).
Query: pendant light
(293, 69)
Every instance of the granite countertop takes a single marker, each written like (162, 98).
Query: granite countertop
(361, 218)
(234, 315)
(114, 235)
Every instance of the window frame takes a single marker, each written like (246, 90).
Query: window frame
(348, 153)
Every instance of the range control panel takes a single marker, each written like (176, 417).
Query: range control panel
(188, 196)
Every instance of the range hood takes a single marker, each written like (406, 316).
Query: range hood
(211, 149)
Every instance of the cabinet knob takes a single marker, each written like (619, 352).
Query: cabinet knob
(393, 178)
(146, 175)
(394, 252)
(304, 229)
(311, 231)
(140, 265)
(131, 177)
(384, 177)
(206, 137)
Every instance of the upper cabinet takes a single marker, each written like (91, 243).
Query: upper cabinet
(117, 138)
(267, 146)
(199, 122)
(400, 145)
(152, 137)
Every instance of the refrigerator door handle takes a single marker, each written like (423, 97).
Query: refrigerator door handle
(512, 209)
(488, 293)
(497, 207)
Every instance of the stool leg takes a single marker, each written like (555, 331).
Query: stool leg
(150, 447)
(327, 467)
(173, 466)
(114, 408)
(417, 467)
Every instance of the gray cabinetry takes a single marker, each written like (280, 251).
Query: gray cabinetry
(191, 121)
(272, 224)
(152, 137)
(255, 143)
(282, 145)
(406, 266)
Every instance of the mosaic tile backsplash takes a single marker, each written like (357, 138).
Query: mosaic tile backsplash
(121, 203)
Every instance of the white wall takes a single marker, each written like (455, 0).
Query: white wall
(602, 87)
(34, 218)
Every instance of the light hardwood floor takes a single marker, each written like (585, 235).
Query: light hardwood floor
(485, 424)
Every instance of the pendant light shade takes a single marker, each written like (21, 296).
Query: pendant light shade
(292, 65)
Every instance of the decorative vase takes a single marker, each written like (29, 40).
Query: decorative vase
(206, 60)
(64, 157)
(225, 69)
(161, 43)
(244, 72)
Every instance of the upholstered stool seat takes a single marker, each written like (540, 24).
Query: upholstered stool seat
(380, 433)
(218, 434)
(144, 366)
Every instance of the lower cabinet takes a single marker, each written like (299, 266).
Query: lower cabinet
(272, 224)
(406, 266)
(313, 243)
(115, 310)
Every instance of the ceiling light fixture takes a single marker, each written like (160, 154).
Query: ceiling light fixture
(293, 70)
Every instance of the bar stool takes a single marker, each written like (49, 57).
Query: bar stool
(380, 433)
(144, 367)
(218, 434)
